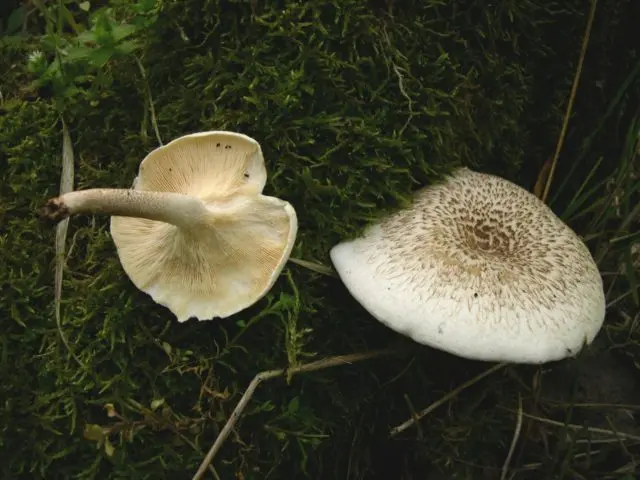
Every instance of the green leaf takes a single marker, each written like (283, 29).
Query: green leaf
(123, 31)
(125, 48)
(294, 405)
(100, 56)
(144, 6)
(109, 449)
(93, 432)
(78, 53)
(15, 20)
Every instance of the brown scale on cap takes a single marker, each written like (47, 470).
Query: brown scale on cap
(478, 225)
(479, 267)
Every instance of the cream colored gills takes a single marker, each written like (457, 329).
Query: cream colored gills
(185, 166)
(195, 231)
(481, 268)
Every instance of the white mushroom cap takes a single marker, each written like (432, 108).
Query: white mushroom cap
(229, 261)
(480, 268)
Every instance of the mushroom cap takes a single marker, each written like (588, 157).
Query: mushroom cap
(226, 266)
(480, 268)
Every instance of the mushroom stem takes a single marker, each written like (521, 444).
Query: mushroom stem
(183, 211)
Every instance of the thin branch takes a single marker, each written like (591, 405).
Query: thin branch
(271, 374)
(315, 267)
(572, 95)
(620, 406)
(414, 415)
(147, 89)
(514, 441)
(577, 428)
(452, 394)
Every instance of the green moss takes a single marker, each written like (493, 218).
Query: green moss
(355, 108)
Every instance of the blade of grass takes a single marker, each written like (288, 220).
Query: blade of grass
(543, 176)
(147, 90)
(66, 185)
(315, 267)
(608, 205)
(585, 149)
(629, 237)
(579, 198)
(613, 106)
(572, 95)
(624, 190)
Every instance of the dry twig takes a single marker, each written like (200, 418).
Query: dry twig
(514, 441)
(572, 95)
(271, 374)
(577, 428)
(452, 394)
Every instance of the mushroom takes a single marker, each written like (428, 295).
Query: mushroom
(195, 232)
(478, 267)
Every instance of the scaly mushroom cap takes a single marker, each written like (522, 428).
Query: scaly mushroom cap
(226, 266)
(480, 268)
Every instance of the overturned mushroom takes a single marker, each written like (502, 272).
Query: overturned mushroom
(480, 268)
(195, 231)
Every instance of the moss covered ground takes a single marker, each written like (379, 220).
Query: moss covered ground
(356, 104)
